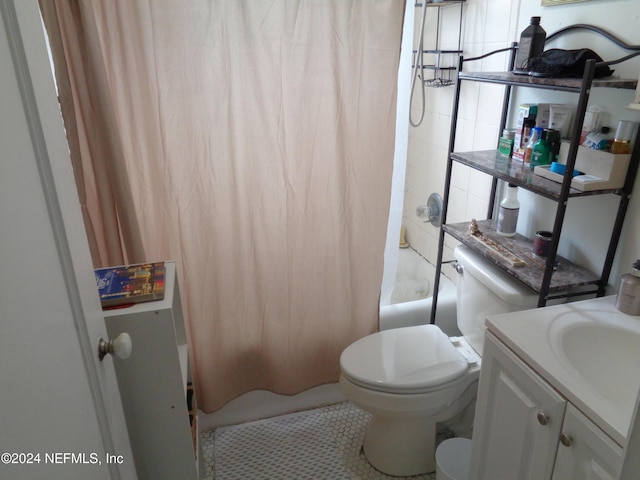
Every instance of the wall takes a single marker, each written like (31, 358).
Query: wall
(490, 25)
(487, 25)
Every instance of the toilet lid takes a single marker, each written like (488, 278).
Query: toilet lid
(403, 360)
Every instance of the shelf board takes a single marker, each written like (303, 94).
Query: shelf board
(442, 52)
(562, 84)
(440, 3)
(437, 68)
(567, 274)
(516, 172)
(439, 52)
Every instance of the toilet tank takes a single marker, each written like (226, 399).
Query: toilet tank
(482, 290)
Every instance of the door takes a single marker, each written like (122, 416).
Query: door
(517, 422)
(61, 412)
(585, 451)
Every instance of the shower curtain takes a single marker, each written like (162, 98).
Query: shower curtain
(257, 143)
(396, 205)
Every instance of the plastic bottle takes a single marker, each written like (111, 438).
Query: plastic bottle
(628, 298)
(553, 139)
(531, 44)
(541, 153)
(593, 119)
(622, 140)
(533, 138)
(508, 213)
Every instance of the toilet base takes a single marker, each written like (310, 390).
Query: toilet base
(401, 447)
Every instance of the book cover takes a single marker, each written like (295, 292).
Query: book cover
(130, 284)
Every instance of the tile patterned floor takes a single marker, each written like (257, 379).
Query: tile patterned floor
(323, 443)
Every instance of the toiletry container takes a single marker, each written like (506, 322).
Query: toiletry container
(593, 120)
(508, 213)
(531, 44)
(622, 140)
(541, 153)
(553, 139)
(598, 140)
(533, 138)
(628, 298)
(505, 144)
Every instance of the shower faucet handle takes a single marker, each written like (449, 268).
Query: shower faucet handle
(432, 211)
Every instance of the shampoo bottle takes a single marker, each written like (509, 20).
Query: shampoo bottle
(628, 299)
(508, 213)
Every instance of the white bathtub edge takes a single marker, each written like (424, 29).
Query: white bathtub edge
(418, 312)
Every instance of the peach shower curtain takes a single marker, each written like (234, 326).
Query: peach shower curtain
(257, 140)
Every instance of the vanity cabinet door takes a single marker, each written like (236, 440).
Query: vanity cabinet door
(517, 422)
(585, 451)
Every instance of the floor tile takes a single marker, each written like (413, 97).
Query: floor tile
(324, 443)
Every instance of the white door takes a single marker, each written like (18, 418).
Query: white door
(585, 451)
(61, 414)
(517, 422)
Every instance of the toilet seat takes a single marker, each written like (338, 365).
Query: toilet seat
(407, 360)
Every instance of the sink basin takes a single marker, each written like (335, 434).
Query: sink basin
(603, 350)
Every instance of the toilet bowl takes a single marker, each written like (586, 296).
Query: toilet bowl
(411, 378)
(417, 378)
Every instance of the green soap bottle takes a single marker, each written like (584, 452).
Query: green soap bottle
(541, 151)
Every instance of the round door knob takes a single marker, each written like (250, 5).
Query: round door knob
(566, 440)
(542, 418)
(120, 347)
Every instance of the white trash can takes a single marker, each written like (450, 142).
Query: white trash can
(452, 459)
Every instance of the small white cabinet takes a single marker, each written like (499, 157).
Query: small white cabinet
(155, 386)
(525, 429)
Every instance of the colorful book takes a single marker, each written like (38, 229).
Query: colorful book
(130, 284)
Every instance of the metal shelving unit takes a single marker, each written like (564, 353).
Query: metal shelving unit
(554, 276)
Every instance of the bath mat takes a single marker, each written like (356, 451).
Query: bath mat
(323, 443)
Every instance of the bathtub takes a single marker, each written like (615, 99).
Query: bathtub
(412, 296)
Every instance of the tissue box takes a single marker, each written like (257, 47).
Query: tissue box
(603, 170)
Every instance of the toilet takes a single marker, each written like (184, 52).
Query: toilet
(411, 378)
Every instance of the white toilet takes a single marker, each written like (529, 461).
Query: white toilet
(413, 377)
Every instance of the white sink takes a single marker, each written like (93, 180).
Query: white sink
(588, 351)
(604, 354)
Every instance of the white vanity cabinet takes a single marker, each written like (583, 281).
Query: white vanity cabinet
(155, 386)
(525, 429)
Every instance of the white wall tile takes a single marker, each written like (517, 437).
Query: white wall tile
(479, 184)
(497, 21)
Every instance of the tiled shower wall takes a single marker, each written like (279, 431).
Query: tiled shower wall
(487, 25)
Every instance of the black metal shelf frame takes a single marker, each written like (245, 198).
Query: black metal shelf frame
(478, 160)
